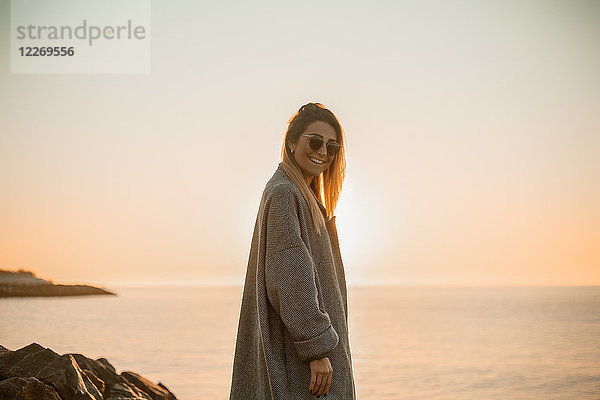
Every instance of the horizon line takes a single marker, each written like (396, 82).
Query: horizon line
(350, 284)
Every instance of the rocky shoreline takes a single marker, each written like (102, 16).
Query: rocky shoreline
(26, 284)
(38, 373)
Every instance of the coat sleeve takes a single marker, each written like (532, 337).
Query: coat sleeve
(290, 279)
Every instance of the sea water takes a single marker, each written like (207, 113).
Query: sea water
(407, 342)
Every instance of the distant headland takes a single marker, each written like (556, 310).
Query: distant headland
(23, 283)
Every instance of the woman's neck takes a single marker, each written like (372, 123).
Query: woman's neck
(308, 179)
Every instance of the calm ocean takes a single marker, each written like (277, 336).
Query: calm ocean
(407, 343)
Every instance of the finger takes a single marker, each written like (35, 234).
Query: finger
(312, 381)
(323, 384)
(328, 383)
(318, 384)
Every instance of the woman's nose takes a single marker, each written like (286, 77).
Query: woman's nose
(323, 149)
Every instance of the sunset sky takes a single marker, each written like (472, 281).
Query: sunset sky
(473, 151)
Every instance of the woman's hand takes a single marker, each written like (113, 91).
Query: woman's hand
(320, 376)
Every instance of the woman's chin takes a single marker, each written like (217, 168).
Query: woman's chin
(312, 170)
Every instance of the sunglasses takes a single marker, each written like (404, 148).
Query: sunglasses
(316, 142)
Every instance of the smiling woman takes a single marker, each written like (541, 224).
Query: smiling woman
(309, 152)
(308, 129)
(292, 340)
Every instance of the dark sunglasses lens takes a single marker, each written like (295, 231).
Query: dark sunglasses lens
(315, 142)
(333, 149)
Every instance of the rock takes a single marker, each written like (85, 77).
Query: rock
(126, 391)
(3, 351)
(101, 370)
(26, 362)
(26, 389)
(104, 362)
(157, 392)
(70, 381)
(71, 377)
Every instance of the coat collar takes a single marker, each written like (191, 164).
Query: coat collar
(321, 206)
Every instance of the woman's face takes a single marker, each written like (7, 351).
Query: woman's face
(313, 162)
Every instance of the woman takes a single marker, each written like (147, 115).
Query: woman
(292, 340)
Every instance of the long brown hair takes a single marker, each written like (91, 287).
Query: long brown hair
(329, 183)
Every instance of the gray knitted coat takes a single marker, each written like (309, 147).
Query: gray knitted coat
(294, 304)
